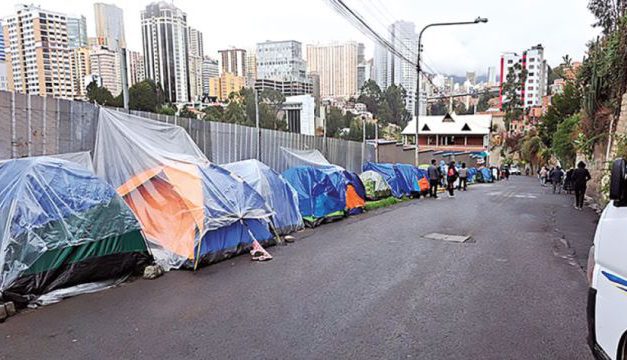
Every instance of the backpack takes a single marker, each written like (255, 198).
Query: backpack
(452, 173)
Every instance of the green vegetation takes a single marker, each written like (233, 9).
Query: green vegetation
(373, 205)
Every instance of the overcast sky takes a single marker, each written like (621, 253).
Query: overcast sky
(562, 26)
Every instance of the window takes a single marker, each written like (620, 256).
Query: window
(532, 59)
(466, 127)
(426, 128)
(510, 61)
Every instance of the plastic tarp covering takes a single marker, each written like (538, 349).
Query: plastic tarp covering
(313, 158)
(410, 175)
(278, 193)
(82, 158)
(320, 193)
(472, 173)
(179, 197)
(486, 174)
(375, 185)
(61, 225)
(391, 175)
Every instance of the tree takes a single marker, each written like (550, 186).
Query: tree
(438, 108)
(214, 113)
(394, 97)
(100, 95)
(483, 104)
(145, 96)
(356, 130)
(336, 121)
(512, 105)
(185, 112)
(271, 103)
(371, 95)
(166, 110)
(563, 140)
(608, 13)
(562, 106)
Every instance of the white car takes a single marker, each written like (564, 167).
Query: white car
(607, 274)
(514, 170)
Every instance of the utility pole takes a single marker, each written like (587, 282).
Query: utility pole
(363, 143)
(124, 79)
(419, 70)
(257, 124)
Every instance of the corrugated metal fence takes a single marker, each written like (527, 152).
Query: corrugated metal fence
(32, 125)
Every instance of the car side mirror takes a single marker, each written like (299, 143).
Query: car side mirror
(618, 183)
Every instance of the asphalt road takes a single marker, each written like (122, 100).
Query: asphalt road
(369, 287)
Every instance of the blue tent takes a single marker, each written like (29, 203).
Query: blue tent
(484, 175)
(355, 181)
(411, 176)
(61, 226)
(279, 195)
(321, 193)
(472, 173)
(391, 175)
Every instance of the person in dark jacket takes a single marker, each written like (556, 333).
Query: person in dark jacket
(434, 179)
(451, 177)
(580, 179)
(557, 175)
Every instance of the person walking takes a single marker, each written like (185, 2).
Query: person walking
(557, 175)
(463, 177)
(451, 177)
(580, 179)
(543, 174)
(434, 179)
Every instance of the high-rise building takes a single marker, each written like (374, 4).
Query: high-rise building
(110, 26)
(535, 85)
(164, 37)
(364, 73)
(195, 59)
(4, 86)
(491, 76)
(107, 65)
(77, 31)
(337, 66)
(2, 55)
(281, 61)
(80, 64)
(232, 61)
(389, 69)
(210, 69)
(251, 68)
(37, 52)
(135, 66)
(221, 87)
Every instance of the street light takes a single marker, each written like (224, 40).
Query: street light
(478, 20)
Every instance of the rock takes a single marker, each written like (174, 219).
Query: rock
(289, 239)
(3, 313)
(152, 272)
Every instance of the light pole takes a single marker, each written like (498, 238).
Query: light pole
(478, 20)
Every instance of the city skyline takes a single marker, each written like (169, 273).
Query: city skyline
(480, 46)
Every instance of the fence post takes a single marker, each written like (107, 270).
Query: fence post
(257, 125)
(13, 130)
(58, 125)
(44, 121)
(29, 113)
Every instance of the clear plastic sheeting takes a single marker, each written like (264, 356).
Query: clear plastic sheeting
(61, 225)
(278, 193)
(82, 158)
(55, 296)
(314, 158)
(189, 209)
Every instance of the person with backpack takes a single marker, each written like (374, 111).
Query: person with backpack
(451, 177)
(580, 179)
(433, 172)
(463, 178)
(557, 175)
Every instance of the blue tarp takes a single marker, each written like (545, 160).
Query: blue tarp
(411, 175)
(486, 175)
(390, 174)
(472, 172)
(320, 192)
(279, 195)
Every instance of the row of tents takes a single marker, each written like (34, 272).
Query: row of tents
(72, 224)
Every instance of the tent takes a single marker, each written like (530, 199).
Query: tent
(484, 175)
(375, 185)
(472, 175)
(326, 194)
(61, 226)
(392, 177)
(277, 192)
(411, 176)
(191, 211)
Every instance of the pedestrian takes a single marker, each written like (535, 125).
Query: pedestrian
(451, 177)
(568, 181)
(506, 173)
(580, 179)
(543, 175)
(434, 178)
(527, 172)
(557, 175)
(463, 177)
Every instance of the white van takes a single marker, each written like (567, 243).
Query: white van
(607, 274)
